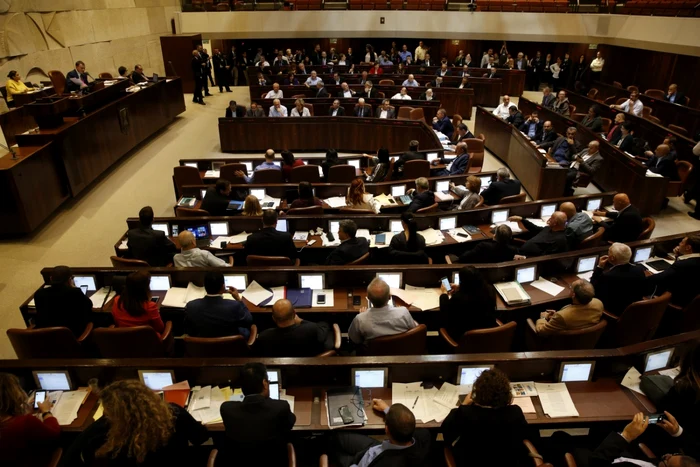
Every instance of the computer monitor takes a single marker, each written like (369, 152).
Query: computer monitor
(576, 371)
(370, 377)
(218, 228)
(162, 228)
(334, 226)
(199, 231)
(157, 379)
(431, 156)
(237, 281)
(593, 204)
(160, 282)
(442, 186)
(657, 360)
(526, 274)
(281, 225)
(499, 215)
(455, 278)
(258, 193)
(312, 281)
(79, 281)
(642, 254)
(398, 190)
(448, 223)
(273, 376)
(547, 210)
(395, 226)
(393, 279)
(485, 182)
(467, 374)
(235, 205)
(191, 164)
(52, 380)
(354, 162)
(586, 264)
(248, 166)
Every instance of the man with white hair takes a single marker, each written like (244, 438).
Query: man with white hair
(312, 80)
(192, 257)
(380, 319)
(276, 92)
(345, 91)
(617, 282)
(277, 110)
(362, 109)
(584, 311)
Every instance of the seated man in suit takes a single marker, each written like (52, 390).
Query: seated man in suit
(663, 162)
(425, 96)
(321, 90)
(437, 83)
(385, 110)
(216, 199)
(548, 98)
(588, 161)
(370, 92)
(213, 316)
(626, 225)
(268, 164)
(615, 131)
(532, 127)
(361, 109)
(255, 111)
(674, 96)
(137, 76)
(345, 91)
(463, 133)
(411, 155)
(380, 319)
(502, 187)
(405, 446)
(443, 71)
(617, 282)
(565, 147)
(423, 197)
(516, 117)
(336, 110)
(585, 311)
(546, 240)
(76, 79)
(682, 277)
(258, 428)
(293, 336)
(149, 245)
(233, 111)
(547, 137)
(496, 251)
(269, 241)
(192, 257)
(62, 304)
(351, 247)
(460, 163)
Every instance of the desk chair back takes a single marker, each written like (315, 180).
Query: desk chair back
(307, 211)
(219, 347)
(610, 100)
(417, 114)
(606, 124)
(572, 109)
(185, 175)
(620, 101)
(475, 148)
(349, 210)
(105, 75)
(341, 174)
(134, 342)
(255, 260)
(577, 117)
(428, 209)
(404, 112)
(480, 203)
(519, 198)
(415, 169)
(648, 226)
(655, 93)
(228, 172)
(118, 262)
(617, 84)
(56, 342)
(593, 240)
(646, 112)
(386, 82)
(592, 93)
(407, 343)
(58, 81)
(577, 339)
(691, 316)
(364, 259)
(490, 340)
(678, 129)
(268, 176)
(305, 173)
(639, 321)
(181, 211)
(653, 119)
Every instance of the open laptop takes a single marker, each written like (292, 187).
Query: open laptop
(201, 235)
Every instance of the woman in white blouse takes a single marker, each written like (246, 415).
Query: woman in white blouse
(402, 95)
(299, 110)
(342, 60)
(555, 68)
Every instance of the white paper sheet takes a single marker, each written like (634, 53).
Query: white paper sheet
(336, 202)
(436, 411)
(268, 199)
(124, 245)
(444, 196)
(278, 293)
(255, 293)
(538, 222)
(289, 399)
(383, 199)
(200, 399)
(447, 396)
(424, 298)
(672, 372)
(525, 403)
(585, 275)
(329, 298)
(175, 297)
(239, 238)
(432, 236)
(632, 379)
(98, 298)
(547, 287)
(68, 405)
(556, 400)
(411, 395)
(457, 235)
(301, 236)
(212, 174)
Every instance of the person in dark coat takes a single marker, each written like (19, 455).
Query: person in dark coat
(149, 245)
(469, 305)
(62, 304)
(351, 247)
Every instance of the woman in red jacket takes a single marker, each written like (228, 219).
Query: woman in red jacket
(22, 435)
(376, 70)
(134, 306)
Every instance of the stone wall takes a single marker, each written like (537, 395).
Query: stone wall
(41, 35)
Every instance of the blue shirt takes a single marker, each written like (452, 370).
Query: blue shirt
(405, 54)
(672, 98)
(264, 165)
(560, 154)
(374, 451)
(532, 130)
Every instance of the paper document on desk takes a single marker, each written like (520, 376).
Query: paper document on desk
(525, 404)
(524, 389)
(585, 275)
(66, 411)
(424, 298)
(124, 245)
(208, 412)
(336, 202)
(459, 235)
(444, 196)
(538, 222)
(100, 297)
(652, 174)
(556, 400)
(255, 293)
(289, 399)
(672, 372)
(212, 174)
(239, 238)
(447, 396)
(387, 240)
(300, 236)
(514, 226)
(278, 293)
(326, 242)
(632, 380)
(411, 395)
(436, 411)
(547, 287)
(432, 236)
(384, 200)
(201, 398)
(269, 202)
(216, 243)
(405, 296)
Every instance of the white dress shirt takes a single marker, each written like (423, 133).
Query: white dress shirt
(304, 112)
(597, 65)
(413, 83)
(502, 110)
(274, 94)
(312, 81)
(347, 93)
(383, 114)
(402, 97)
(275, 113)
(636, 108)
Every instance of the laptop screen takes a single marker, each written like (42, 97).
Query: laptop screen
(398, 190)
(642, 254)
(312, 281)
(219, 228)
(585, 264)
(547, 210)
(393, 279)
(281, 225)
(526, 274)
(593, 204)
(448, 223)
(395, 226)
(160, 282)
(431, 156)
(258, 193)
(199, 231)
(79, 281)
(499, 215)
(161, 227)
(443, 185)
(237, 281)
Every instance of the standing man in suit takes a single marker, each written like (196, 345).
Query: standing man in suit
(617, 282)
(411, 155)
(502, 187)
(62, 304)
(321, 90)
(233, 111)
(362, 110)
(536, 69)
(548, 98)
(232, 60)
(585, 311)
(351, 247)
(495, 251)
(423, 197)
(198, 76)
(217, 197)
(336, 110)
(663, 162)
(588, 161)
(213, 316)
(269, 241)
(255, 111)
(207, 60)
(626, 225)
(149, 245)
(77, 79)
(385, 110)
(222, 70)
(681, 279)
(532, 127)
(675, 97)
(206, 69)
(258, 428)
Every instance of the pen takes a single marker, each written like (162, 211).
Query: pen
(414, 404)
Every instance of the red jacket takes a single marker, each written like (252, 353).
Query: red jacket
(23, 437)
(151, 318)
(376, 71)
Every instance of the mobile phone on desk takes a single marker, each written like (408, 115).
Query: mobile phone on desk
(154, 300)
(321, 299)
(39, 396)
(446, 283)
(346, 414)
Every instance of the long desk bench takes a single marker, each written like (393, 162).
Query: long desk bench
(619, 172)
(541, 181)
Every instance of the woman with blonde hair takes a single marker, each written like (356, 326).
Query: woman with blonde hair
(251, 206)
(22, 435)
(138, 428)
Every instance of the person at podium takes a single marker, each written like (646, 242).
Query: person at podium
(77, 79)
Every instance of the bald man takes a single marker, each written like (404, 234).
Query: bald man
(584, 311)
(663, 162)
(545, 240)
(626, 222)
(588, 161)
(193, 257)
(578, 225)
(292, 336)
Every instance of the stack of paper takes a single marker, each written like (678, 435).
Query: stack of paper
(672, 372)
(177, 393)
(547, 287)
(444, 196)
(411, 395)
(556, 400)
(66, 410)
(238, 238)
(384, 200)
(632, 380)
(436, 411)
(432, 236)
(278, 293)
(211, 174)
(101, 297)
(447, 396)
(514, 226)
(178, 297)
(336, 202)
(459, 235)
(424, 298)
(538, 222)
(205, 406)
(255, 293)
(525, 404)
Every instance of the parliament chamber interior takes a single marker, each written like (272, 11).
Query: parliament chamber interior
(350, 233)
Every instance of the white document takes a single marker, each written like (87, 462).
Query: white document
(383, 199)
(456, 234)
(268, 199)
(406, 296)
(524, 389)
(255, 293)
(301, 236)
(556, 400)
(632, 379)
(239, 238)
(547, 287)
(652, 174)
(447, 396)
(200, 399)
(326, 242)
(585, 275)
(435, 410)
(98, 298)
(538, 222)
(212, 174)
(124, 245)
(424, 298)
(278, 293)
(289, 399)
(210, 413)
(411, 395)
(525, 404)
(432, 236)
(336, 202)
(444, 196)
(672, 372)
(175, 297)
(514, 226)
(66, 410)
(329, 298)
(216, 243)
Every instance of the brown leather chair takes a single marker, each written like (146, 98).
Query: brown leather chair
(299, 96)
(307, 211)
(490, 340)
(341, 174)
(380, 95)
(631, 88)
(267, 176)
(386, 82)
(638, 323)
(648, 225)
(583, 180)
(404, 113)
(610, 100)
(337, 341)
(305, 173)
(593, 240)
(656, 94)
(58, 81)
(118, 262)
(228, 172)
(576, 339)
(536, 457)
(361, 260)
(653, 119)
(620, 100)
(407, 343)
(678, 187)
(426, 210)
(417, 114)
(56, 342)
(475, 148)
(182, 211)
(220, 347)
(572, 109)
(134, 342)
(577, 117)
(592, 93)
(606, 124)
(105, 75)
(255, 260)
(185, 175)
(223, 7)
(646, 112)
(678, 129)
(617, 84)
(416, 168)
(677, 319)
(519, 198)
(691, 315)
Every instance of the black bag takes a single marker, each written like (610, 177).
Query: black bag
(655, 387)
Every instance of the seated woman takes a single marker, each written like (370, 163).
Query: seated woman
(14, 86)
(251, 206)
(24, 438)
(138, 428)
(381, 165)
(488, 429)
(134, 306)
(299, 110)
(408, 247)
(469, 305)
(331, 160)
(291, 79)
(470, 194)
(306, 197)
(358, 199)
(288, 163)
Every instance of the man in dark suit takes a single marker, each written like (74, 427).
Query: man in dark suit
(423, 197)
(663, 162)
(411, 155)
(681, 279)
(370, 91)
(385, 110)
(548, 98)
(437, 83)
(137, 75)
(62, 304)
(233, 111)
(149, 245)
(626, 225)
(269, 241)
(617, 282)
(496, 251)
(336, 110)
(502, 187)
(547, 137)
(545, 240)
(316, 55)
(222, 70)
(443, 124)
(615, 131)
(76, 79)
(405, 446)
(255, 111)
(321, 90)
(362, 109)
(532, 127)
(198, 76)
(674, 96)
(443, 71)
(588, 161)
(345, 91)
(293, 336)
(258, 428)
(216, 199)
(351, 247)
(516, 117)
(463, 133)
(214, 316)
(565, 147)
(459, 163)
